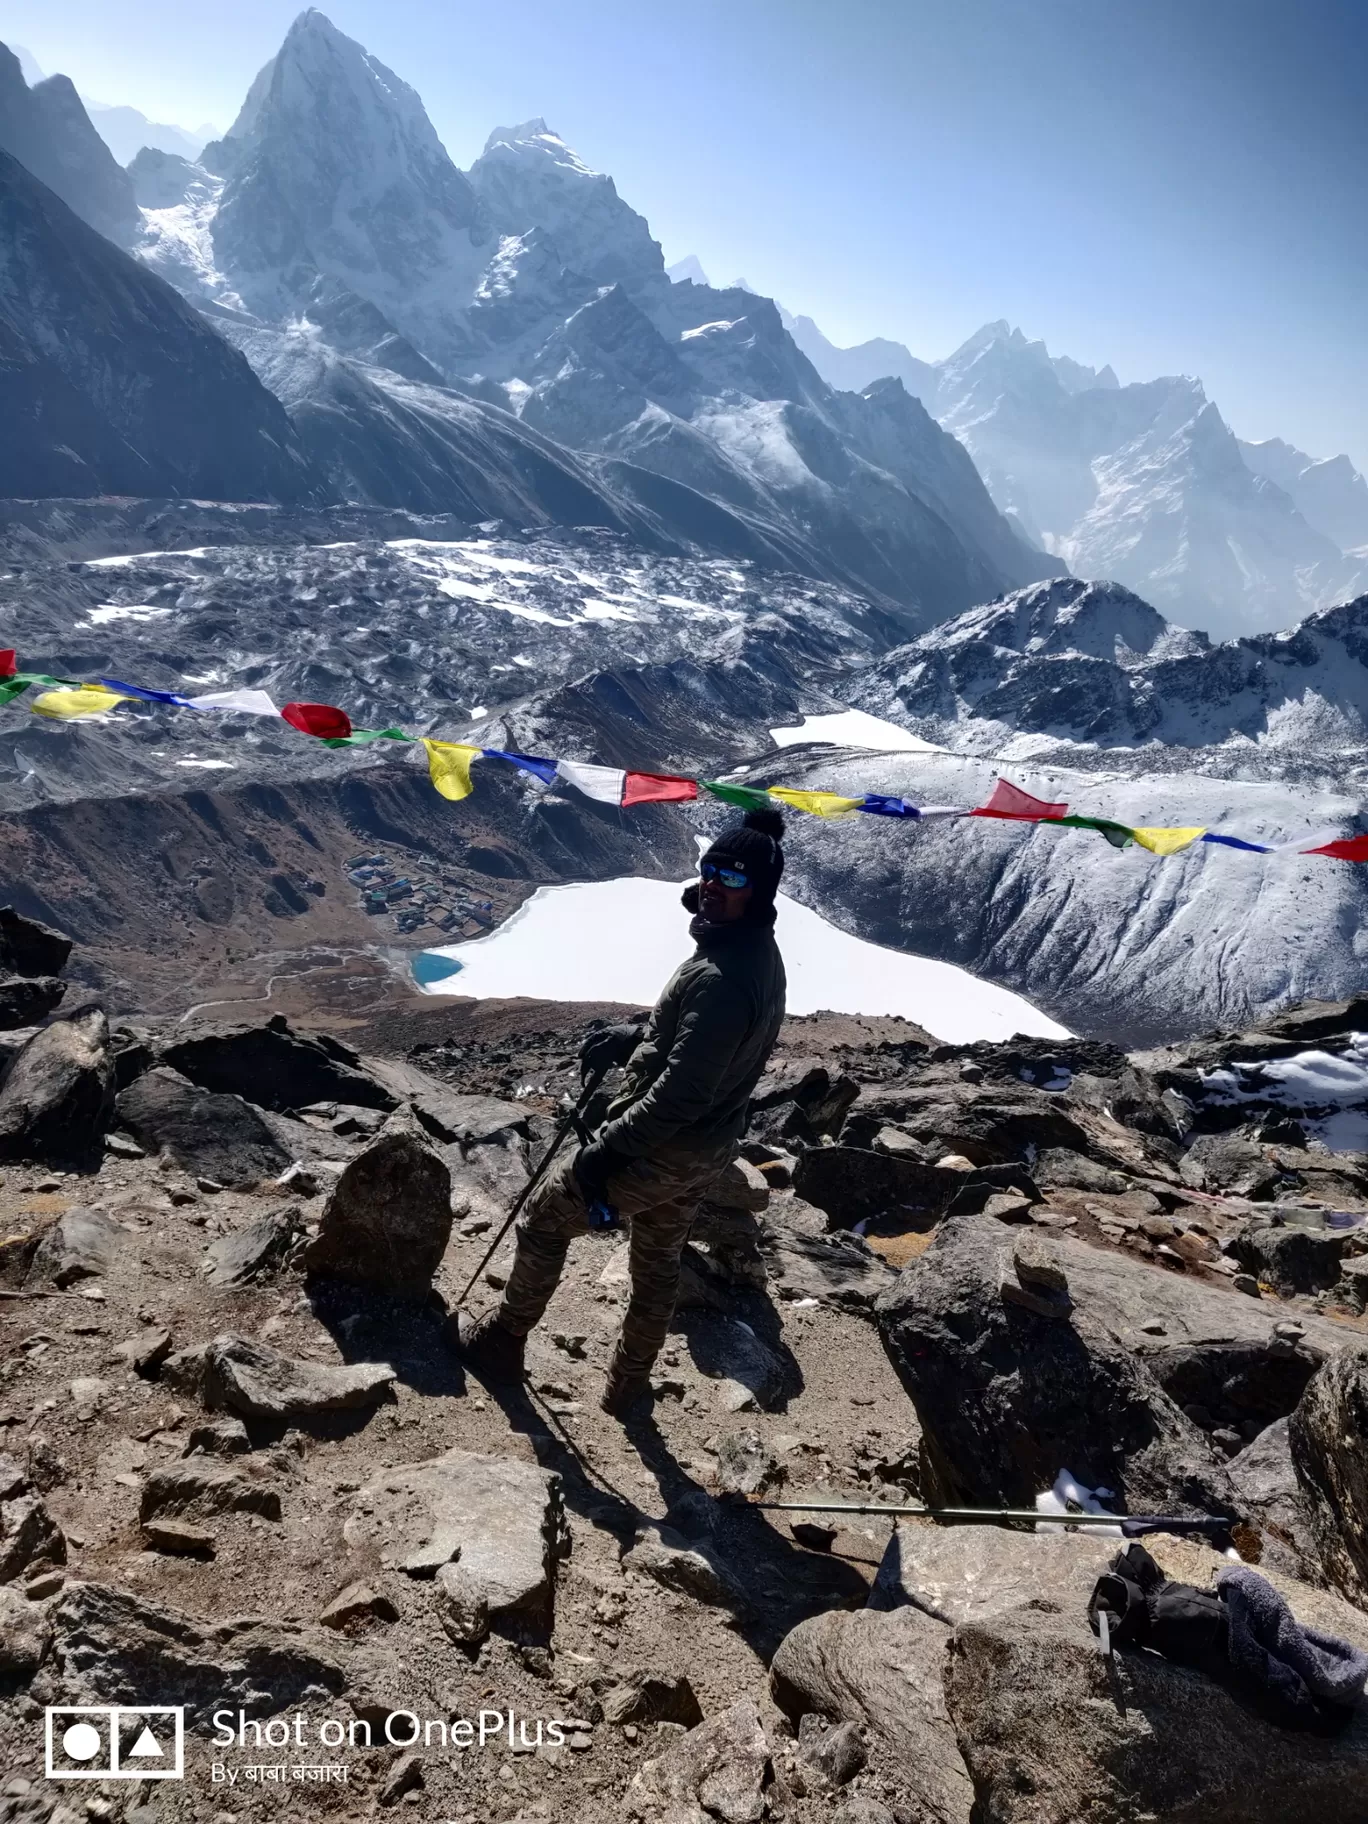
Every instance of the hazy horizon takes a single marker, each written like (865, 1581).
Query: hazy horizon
(1169, 193)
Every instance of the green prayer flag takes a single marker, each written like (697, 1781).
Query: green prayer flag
(360, 737)
(10, 688)
(1117, 834)
(747, 797)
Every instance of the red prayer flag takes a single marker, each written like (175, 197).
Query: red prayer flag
(657, 788)
(1009, 800)
(1352, 848)
(319, 719)
(8, 667)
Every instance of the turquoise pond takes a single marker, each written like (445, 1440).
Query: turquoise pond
(427, 967)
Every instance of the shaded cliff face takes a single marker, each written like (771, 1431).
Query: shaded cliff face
(111, 383)
(48, 130)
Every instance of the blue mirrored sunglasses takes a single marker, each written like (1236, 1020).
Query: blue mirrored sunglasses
(727, 877)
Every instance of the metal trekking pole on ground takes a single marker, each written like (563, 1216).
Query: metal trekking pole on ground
(1132, 1526)
(573, 1120)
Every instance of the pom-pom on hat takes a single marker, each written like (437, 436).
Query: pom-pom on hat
(753, 848)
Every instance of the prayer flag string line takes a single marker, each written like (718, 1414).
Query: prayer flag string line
(450, 763)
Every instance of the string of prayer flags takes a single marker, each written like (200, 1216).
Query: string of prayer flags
(70, 701)
(449, 767)
(319, 719)
(1010, 801)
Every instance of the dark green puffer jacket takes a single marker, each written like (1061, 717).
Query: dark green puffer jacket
(705, 1047)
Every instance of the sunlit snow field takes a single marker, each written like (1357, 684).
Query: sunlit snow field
(620, 940)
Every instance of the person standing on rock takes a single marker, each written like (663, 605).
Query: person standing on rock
(675, 1124)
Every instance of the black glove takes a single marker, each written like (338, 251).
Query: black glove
(594, 1165)
(609, 1046)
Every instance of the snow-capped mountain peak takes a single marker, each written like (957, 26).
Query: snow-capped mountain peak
(334, 169)
(534, 139)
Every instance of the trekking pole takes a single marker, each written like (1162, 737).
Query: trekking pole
(1133, 1526)
(574, 1119)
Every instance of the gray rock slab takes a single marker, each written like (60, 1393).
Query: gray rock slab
(247, 1254)
(210, 1135)
(80, 1244)
(488, 1529)
(252, 1378)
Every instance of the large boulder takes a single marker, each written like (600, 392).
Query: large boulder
(30, 948)
(275, 1067)
(252, 1378)
(1204, 1342)
(1290, 1256)
(1009, 1391)
(882, 1672)
(388, 1220)
(487, 1529)
(114, 1647)
(57, 1093)
(1328, 1435)
(853, 1183)
(207, 1134)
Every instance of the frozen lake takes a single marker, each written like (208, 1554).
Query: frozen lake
(620, 940)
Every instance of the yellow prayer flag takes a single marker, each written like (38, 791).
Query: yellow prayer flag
(449, 767)
(820, 804)
(79, 700)
(1167, 842)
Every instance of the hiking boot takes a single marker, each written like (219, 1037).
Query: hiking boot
(490, 1347)
(627, 1394)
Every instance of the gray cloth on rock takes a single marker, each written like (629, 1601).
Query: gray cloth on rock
(1269, 1646)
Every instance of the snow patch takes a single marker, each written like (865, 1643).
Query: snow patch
(854, 728)
(139, 612)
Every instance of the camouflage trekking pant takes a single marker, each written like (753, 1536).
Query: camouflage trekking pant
(657, 1198)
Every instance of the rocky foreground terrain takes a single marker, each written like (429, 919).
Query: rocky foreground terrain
(242, 1469)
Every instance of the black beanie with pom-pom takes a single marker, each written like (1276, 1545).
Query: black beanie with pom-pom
(753, 848)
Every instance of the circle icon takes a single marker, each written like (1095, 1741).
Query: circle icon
(82, 1742)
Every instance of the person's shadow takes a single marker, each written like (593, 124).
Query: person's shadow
(777, 1583)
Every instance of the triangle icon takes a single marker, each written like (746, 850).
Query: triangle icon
(146, 1745)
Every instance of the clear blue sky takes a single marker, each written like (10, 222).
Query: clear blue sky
(1168, 185)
